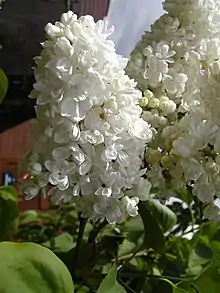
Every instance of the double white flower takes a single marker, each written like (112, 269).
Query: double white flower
(89, 138)
(177, 68)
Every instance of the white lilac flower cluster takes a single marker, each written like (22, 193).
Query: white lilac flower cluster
(88, 139)
(177, 68)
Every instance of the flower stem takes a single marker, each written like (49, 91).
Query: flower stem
(82, 225)
(94, 233)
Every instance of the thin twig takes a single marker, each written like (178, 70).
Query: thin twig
(121, 268)
(128, 256)
(140, 275)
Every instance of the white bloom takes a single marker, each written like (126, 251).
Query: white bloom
(174, 83)
(204, 189)
(109, 208)
(141, 190)
(184, 147)
(59, 171)
(35, 168)
(93, 137)
(179, 67)
(31, 192)
(90, 139)
(130, 205)
(155, 70)
(167, 107)
(211, 211)
(162, 52)
(75, 110)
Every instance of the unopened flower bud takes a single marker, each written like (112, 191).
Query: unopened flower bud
(148, 94)
(143, 102)
(154, 103)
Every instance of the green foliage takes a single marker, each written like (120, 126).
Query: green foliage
(3, 85)
(110, 284)
(157, 219)
(28, 217)
(30, 268)
(61, 243)
(154, 237)
(164, 216)
(8, 212)
(150, 250)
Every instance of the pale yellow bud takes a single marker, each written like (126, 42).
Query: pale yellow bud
(148, 94)
(154, 103)
(143, 102)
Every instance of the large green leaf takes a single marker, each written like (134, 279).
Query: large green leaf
(31, 268)
(3, 85)
(209, 281)
(110, 284)
(154, 237)
(201, 256)
(126, 247)
(205, 263)
(61, 243)
(165, 217)
(8, 212)
(188, 287)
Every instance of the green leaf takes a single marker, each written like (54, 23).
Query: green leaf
(134, 229)
(61, 243)
(209, 278)
(201, 257)
(3, 85)
(126, 247)
(31, 268)
(209, 281)
(154, 237)
(165, 217)
(215, 246)
(188, 287)
(186, 195)
(110, 284)
(8, 212)
(179, 290)
(28, 217)
(9, 189)
(134, 224)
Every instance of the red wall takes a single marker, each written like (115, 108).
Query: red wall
(97, 8)
(14, 144)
